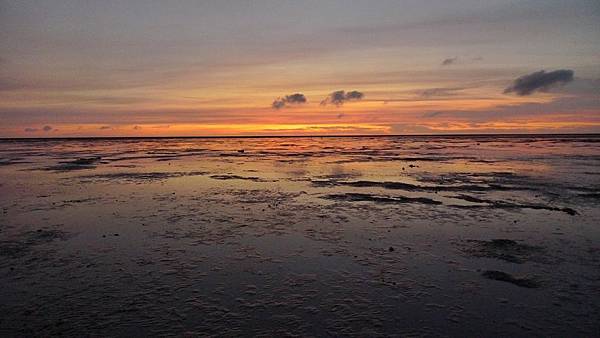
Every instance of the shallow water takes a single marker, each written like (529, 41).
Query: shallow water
(363, 236)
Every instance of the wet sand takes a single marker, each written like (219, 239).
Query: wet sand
(357, 236)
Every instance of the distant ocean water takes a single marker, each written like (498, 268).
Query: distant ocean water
(407, 235)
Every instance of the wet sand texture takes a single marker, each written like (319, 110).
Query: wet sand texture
(312, 237)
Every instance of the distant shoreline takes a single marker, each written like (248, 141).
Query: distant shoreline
(577, 135)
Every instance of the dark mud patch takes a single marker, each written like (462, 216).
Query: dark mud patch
(66, 203)
(21, 244)
(508, 278)
(595, 196)
(358, 197)
(125, 166)
(157, 156)
(377, 157)
(485, 161)
(485, 203)
(337, 176)
(504, 249)
(138, 177)
(501, 180)
(78, 164)
(237, 177)
(12, 161)
(413, 187)
(252, 196)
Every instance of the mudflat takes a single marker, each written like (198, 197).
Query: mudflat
(309, 236)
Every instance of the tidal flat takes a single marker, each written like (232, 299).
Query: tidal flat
(309, 236)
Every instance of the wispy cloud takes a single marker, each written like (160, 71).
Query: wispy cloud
(432, 114)
(35, 130)
(443, 91)
(541, 81)
(339, 97)
(449, 61)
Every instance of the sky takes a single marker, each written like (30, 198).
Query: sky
(277, 67)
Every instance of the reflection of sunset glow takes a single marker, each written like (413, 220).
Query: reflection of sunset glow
(220, 116)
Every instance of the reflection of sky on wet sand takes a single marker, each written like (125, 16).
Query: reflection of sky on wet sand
(300, 235)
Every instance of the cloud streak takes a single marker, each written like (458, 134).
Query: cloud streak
(293, 99)
(432, 114)
(340, 97)
(541, 81)
(35, 130)
(435, 92)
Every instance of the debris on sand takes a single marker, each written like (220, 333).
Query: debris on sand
(358, 197)
(504, 249)
(505, 277)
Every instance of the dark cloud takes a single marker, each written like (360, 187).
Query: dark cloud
(339, 97)
(137, 127)
(539, 81)
(278, 104)
(282, 102)
(104, 127)
(47, 128)
(449, 61)
(354, 95)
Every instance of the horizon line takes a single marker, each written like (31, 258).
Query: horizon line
(296, 136)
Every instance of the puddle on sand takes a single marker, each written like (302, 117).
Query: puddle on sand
(365, 236)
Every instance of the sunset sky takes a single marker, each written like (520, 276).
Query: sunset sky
(165, 68)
